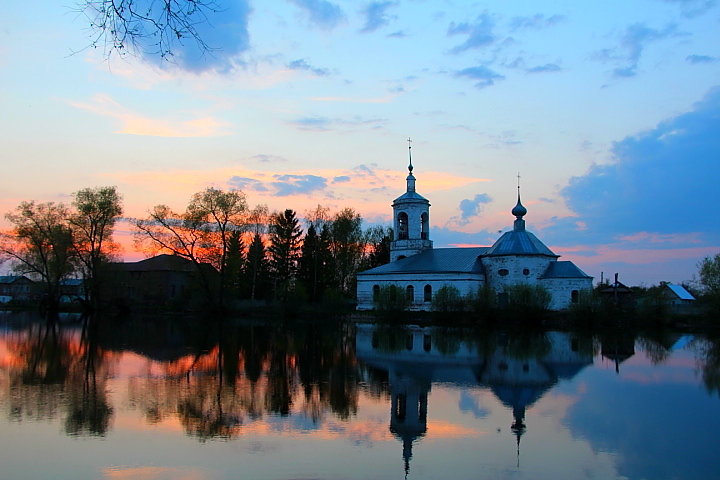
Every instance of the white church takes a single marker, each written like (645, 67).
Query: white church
(517, 257)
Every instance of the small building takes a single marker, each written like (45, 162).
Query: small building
(517, 257)
(163, 280)
(677, 294)
(17, 288)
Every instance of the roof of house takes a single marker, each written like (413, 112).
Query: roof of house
(158, 263)
(437, 260)
(564, 269)
(14, 278)
(680, 291)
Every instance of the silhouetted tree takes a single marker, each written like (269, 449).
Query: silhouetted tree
(95, 212)
(709, 271)
(285, 233)
(347, 246)
(256, 268)
(314, 262)
(235, 265)
(378, 240)
(41, 246)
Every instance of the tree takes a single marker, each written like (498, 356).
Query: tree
(41, 246)
(378, 241)
(235, 264)
(201, 234)
(95, 214)
(709, 270)
(314, 262)
(285, 233)
(256, 267)
(157, 26)
(347, 246)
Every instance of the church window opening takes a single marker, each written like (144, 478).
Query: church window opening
(376, 293)
(526, 271)
(427, 342)
(409, 342)
(574, 296)
(424, 226)
(503, 272)
(402, 226)
(427, 293)
(400, 406)
(410, 293)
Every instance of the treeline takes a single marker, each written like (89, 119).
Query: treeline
(239, 252)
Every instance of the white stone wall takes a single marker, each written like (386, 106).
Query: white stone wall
(561, 290)
(515, 266)
(466, 283)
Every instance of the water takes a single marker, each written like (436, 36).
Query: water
(176, 400)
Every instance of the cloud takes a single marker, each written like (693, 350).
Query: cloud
(322, 124)
(376, 15)
(485, 76)
(133, 123)
(245, 183)
(535, 22)
(398, 34)
(322, 13)
(695, 59)
(301, 64)
(693, 8)
(470, 208)
(286, 185)
(548, 67)
(223, 31)
(632, 44)
(479, 34)
(341, 179)
(265, 158)
(660, 184)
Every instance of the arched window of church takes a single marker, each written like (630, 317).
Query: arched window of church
(410, 293)
(402, 226)
(427, 293)
(424, 226)
(503, 272)
(574, 296)
(376, 292)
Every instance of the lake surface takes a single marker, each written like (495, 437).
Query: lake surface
(177, 400)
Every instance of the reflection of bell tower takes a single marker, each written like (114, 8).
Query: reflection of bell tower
(411, 214)
(408, 417)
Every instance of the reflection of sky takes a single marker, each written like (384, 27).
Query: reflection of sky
(595, 425)
(659, 421)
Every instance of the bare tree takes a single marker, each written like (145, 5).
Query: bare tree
(153, 26)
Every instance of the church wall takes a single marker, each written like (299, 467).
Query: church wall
(466, 283)
(561, 290)
(516, 266)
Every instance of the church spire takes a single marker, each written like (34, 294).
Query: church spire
(410, 177)
(519, 210)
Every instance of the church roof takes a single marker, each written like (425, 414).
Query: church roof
(519, 242)
(438, 260)
(410, 197)
(564, 270)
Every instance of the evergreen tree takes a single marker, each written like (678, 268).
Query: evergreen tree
(256, 268)
(234, 265)
(314, 260)
(285, 233)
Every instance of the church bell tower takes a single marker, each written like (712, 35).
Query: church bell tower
(411, 220)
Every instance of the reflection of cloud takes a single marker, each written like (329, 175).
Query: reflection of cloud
(153, 473)
(133, 123)
(322, 13)
(470, 404)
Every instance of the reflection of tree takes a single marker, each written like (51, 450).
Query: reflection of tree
(707, 351)
(56, 371)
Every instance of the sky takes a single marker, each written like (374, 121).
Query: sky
(608, 111)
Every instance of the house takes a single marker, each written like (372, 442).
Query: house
(18, 288)
(517, 257)
(157, 281)
(677, 294)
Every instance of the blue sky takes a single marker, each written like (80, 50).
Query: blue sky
(609, 110)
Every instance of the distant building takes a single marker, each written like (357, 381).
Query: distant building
(517, 257)
(157, 281)
(677, 294)
(18, 288)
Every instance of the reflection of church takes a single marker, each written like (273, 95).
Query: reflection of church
(415, 357)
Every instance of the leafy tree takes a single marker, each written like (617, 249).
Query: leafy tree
(709, 270)
(285, 233)
(347, 246)
(378, 241)
(314, 262)
(95, 212)
(524, 299)
(448, 299)
(201, 234)
(41, 246)
(390, 298)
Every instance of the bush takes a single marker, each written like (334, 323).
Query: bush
(528, 299)
(448, 299)
(390, 298)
